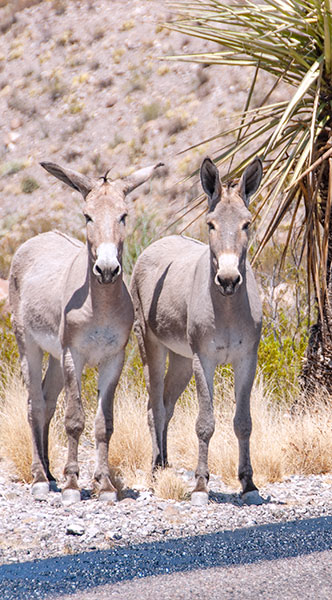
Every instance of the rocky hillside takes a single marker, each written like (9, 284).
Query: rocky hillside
(82, 83)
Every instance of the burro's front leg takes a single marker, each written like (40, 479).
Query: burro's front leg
(109, 374)
(244, 373)
(74, 423)
(204, 372)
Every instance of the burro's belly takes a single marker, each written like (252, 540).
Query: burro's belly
(48, 341)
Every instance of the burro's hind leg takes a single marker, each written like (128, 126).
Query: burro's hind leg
(109, 374)
(204, 372)
(153, 355)
(31, 364)
(74, 422)
(52, 386)
(177, 378)
(156, 354)
(244, 373)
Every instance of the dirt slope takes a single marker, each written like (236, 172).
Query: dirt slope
(82, 84)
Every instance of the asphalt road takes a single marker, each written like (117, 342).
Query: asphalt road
(307, 578)
(287, 561)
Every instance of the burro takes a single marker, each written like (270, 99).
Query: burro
(69, 299)
(199, 305)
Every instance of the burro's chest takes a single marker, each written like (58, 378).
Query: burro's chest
(228, 342)
(97, 342)
(225, 329)
(97, 332)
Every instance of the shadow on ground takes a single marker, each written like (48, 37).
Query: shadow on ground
(68, 574)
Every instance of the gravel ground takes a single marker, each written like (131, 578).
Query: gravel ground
(49, 550)
(31, 530)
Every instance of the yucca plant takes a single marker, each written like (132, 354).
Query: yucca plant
(292, 41)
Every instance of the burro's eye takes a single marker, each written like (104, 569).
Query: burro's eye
(246, 226)
(88, 219)
(123, 218)
(210, 226)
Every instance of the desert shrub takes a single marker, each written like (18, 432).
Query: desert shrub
(285, 318)
(29, 185)
(90, 387)
(8, 349)
(152, 111)
(143, 233)
(281, 353)
(11, 168)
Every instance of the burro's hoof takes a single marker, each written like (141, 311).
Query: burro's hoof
(40, 490)
(199, 498)
(70, 496)
(252, 498)
(107, 496)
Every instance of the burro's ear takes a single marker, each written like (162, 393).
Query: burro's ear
(210, 181)
(77, 181)
(138, 177)
(250, 179)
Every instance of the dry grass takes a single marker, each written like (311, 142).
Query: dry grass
(282, 443)
(15, 433)
(168, 484)
(130, 447)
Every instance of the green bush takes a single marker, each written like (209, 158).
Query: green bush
(140, 237)
(152, 111)
(29, 185)
(9, 356)
(281, 353)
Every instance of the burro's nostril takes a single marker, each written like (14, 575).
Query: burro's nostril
(97, 270)
(237, 281)
(116, 271)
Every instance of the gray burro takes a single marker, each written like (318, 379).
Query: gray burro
(69, 299)
(200, 305)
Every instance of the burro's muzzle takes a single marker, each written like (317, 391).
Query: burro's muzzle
(228, 277)
(107, 267)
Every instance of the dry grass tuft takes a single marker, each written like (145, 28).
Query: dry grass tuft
(282, 442)
(130, 446)
(168, 484)
(15, 433)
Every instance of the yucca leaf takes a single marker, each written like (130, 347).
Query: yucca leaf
(292, 41)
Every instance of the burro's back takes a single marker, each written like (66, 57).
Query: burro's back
(198, 304)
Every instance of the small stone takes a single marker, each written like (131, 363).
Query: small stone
(127, 502)
(111, 101)
(75, 528)
(15, 123)
(199, 498)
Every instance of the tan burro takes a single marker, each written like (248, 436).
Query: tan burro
(69, 299)
(200, 305)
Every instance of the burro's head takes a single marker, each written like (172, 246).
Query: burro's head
(105, 210)
(228, 220)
